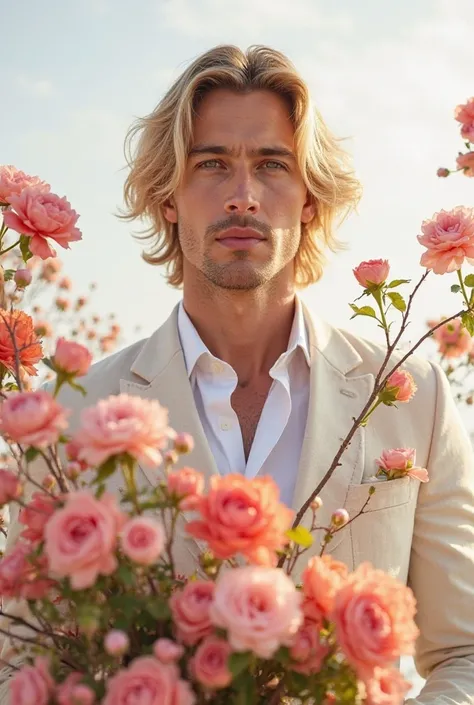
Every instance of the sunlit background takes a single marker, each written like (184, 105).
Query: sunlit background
(385, 75)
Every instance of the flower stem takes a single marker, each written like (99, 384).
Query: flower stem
(463, 288)
(7, 249)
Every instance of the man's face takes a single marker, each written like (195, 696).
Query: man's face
(242, 200)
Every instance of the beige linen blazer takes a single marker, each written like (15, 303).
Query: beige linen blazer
(422, 534)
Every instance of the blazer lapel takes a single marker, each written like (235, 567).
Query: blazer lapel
(335, 400)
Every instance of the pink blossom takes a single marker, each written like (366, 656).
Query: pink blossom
(32, 685)
(188, 484)
(386, 686)
(22, 575)
(80, 538)
(167, 650)
(32, 418)
(35, 515)
(190, 609)
(72, 358)
(401, 386)
(452, 338)
(147, 681)
(13, 181)
(73, 692)
(442, 172)
(259, 607)
(466, 163)
(400, 462)
(183, 443)
(209, 663)
(123, 424)
(372, 273)
(116, 642)
(142, 540)
(10, 486)
(23, 277)
(465, 115)
(41, 215)
(307, 648)
(449, 240)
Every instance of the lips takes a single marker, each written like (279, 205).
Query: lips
(240, 234)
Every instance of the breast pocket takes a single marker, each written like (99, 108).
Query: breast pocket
(390, 493)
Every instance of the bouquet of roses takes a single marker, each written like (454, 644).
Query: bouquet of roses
(102, 602)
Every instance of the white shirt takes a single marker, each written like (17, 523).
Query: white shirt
(278, 439)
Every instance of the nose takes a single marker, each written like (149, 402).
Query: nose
(243, 198)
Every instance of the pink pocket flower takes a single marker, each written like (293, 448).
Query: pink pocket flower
(374, 618)
(466, 163)
(142, 540)
(81, 538)
(400, 386)
(259, 607)
(123, 424)
(35, 515)
(307, 650)
(386, 686)
(449, 240)
(10, 486)
(41, 215)
(242, 516)
(13, 182)
(147, 681)
(188, 484)
(322, 578)
(32, 684)
(400, 462)
(372, 273)
(32, 418)
(190, 609)
(465, 115)
(72, 358)
(209, 663)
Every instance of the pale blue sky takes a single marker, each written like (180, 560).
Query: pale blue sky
(385, 74)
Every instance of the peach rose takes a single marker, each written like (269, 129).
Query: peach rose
(372, 273)
(374, 618)
(307, 650)
(142, 540)
(188, 484)
(452, 338)
(72, 358)
(32, 684)
(17, 334)
(123, 424)
(147, 681)
(449, 240)
(23, 575)
(10, 486)
(73, 692)
(400, 462)
(209, 663)
(35, 515)
(401, 386)
(259, 607)
(322, 578)
(386, 686)
(13, 181)
(465, 115)
(190, 609)
(32, 418)
(242, 516)
(81, 538)
(41, 215)
(466, 163)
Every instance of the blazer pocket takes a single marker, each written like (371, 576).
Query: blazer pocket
(390, 493)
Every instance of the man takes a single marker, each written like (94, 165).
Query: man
(242, 183)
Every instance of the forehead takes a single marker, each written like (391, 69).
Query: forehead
(226, 117)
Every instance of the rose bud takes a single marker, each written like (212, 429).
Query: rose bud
(116, 643)
(340, 518)
(442, 172)
(183, 443)
(23, 278)
(372, 273)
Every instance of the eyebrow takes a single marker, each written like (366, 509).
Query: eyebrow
(271, 151)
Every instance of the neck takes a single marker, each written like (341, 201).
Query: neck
(247, 329)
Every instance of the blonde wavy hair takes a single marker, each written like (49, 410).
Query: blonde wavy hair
(165, 137)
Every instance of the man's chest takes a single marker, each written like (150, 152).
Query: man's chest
(248, 403)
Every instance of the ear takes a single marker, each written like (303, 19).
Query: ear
(309, 209)
(170, 211)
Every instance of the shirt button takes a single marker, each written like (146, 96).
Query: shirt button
(225, 424)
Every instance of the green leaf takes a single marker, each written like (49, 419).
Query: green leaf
(239, 661)
(25, 248)
(105, 470)
(158, 608)
(467, 319)
(397, 282)
(301, 536)
(397, 300)
(46, 361)
(469, 281)
(8, 274)
(31, 454)
(456, 288)
(126, 575)
(363, 311)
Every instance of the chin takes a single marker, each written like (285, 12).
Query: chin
(238, 278)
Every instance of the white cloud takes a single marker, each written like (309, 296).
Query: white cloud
(42, 88)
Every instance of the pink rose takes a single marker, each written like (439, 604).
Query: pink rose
(190, 609)
(22, 574)
(167, 650)
(401, 386)
(35, 515)
(116, 642)
(466, 163)
(449, 240)
(372, 273)
(188, 484)
(73, 692)
(307, 649)
(374, 618)
(10, 486)
(465, 115)
(209, 663)
(322, 578)
(123, 424)
(452, 338)
(242, 516)
(442, 172)
(147, 681)
(259, 607)
(72, 449)
(13, 181)
(399, 462)
(23, 278)
(32, 418)
(81, 538)
(40, 215)
(32, 684)
(386, 686)
(142, 540)
(72, 358)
